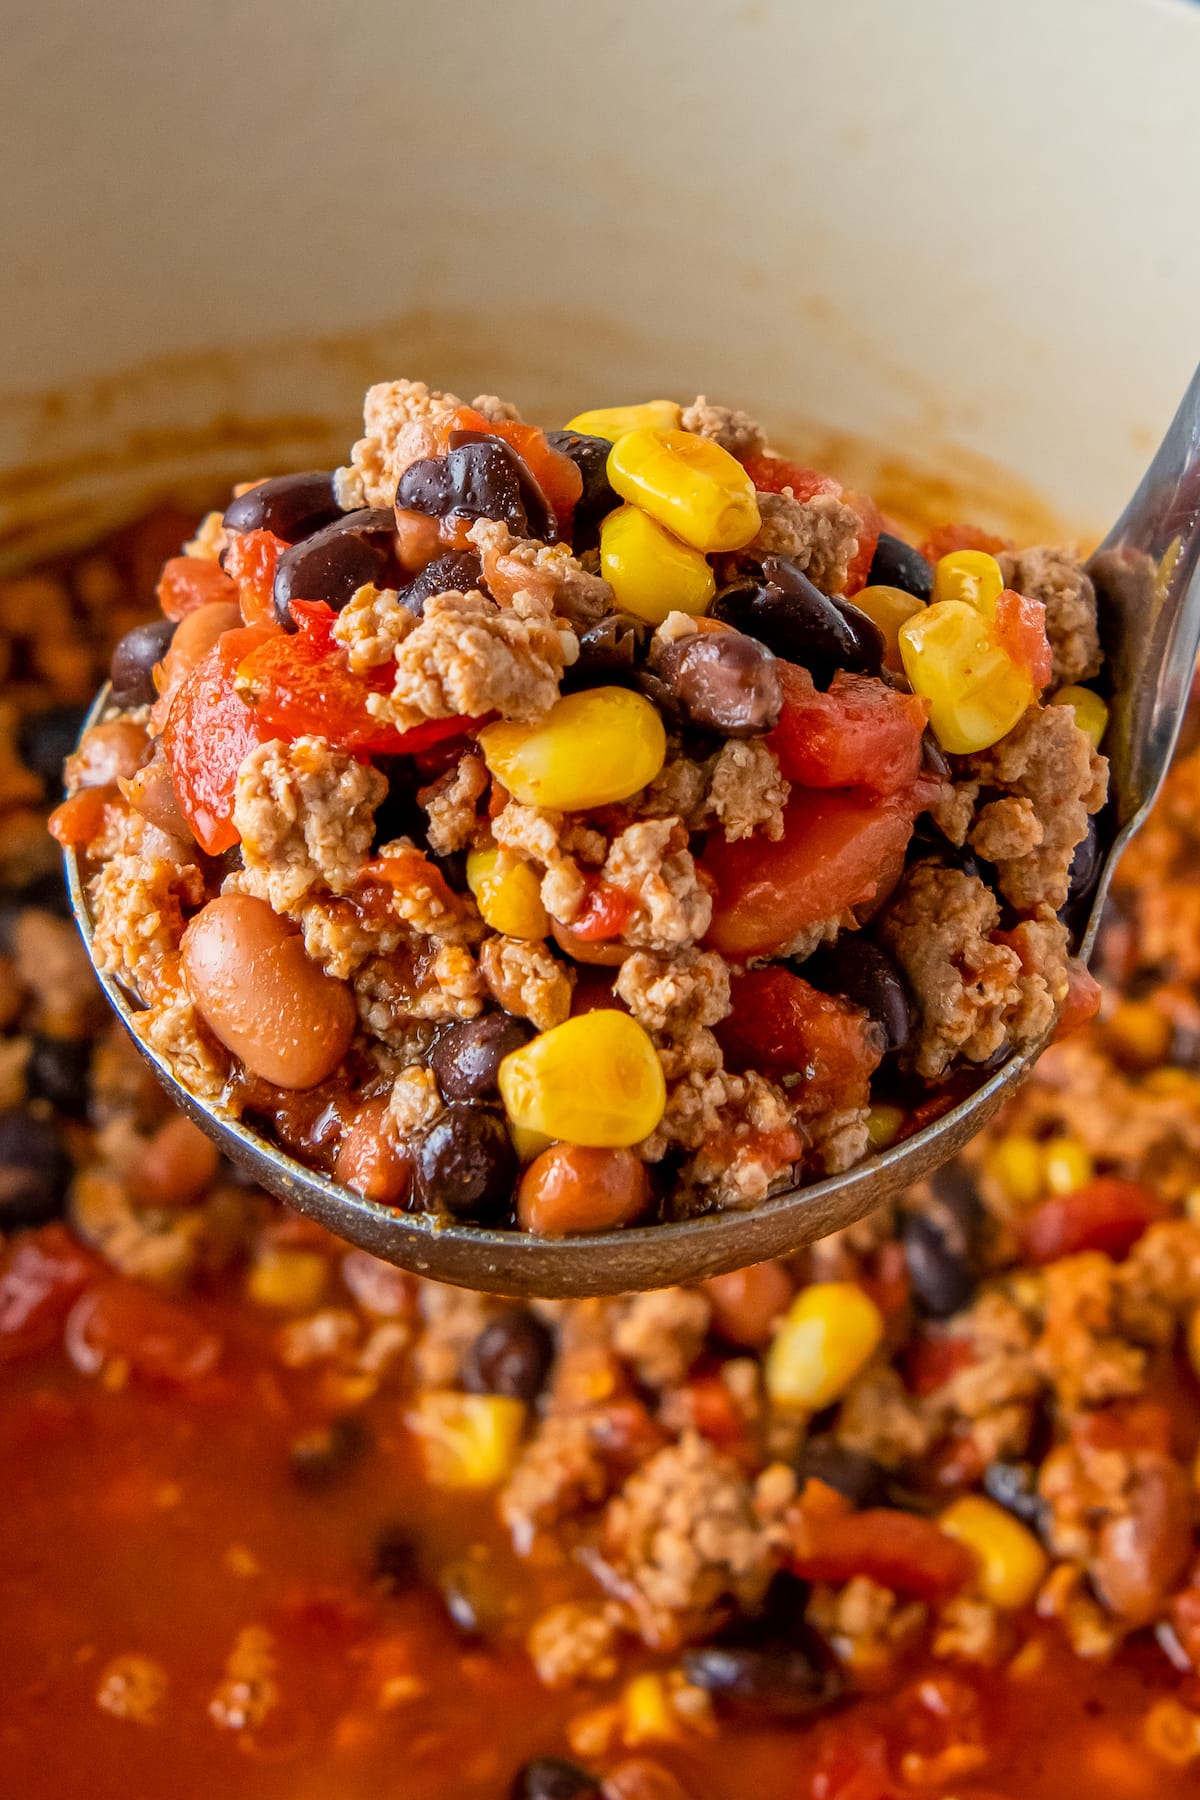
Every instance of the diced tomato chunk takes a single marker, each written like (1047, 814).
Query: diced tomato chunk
(301, 682)
(1125, 1425)
(188, 582)
(841, 848)
(930, 1362)
(158, 1339)
(860, 733)
(251, 560)
(870, 524)
(41, 1276)
(781, 1025)
(1020, 627)
(208, 735)
(604, 914)
(1084, 997)
(899, 1550)
(945, 538)
(771, 474)
(80, 818)
(1107, 1214)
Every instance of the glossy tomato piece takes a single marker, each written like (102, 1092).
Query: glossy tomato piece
(42, 1275)
(300, 682)
(188, 582)
(1020, 627)
(156, 1338)
(1106, 1214)
(604, 914)
(208, 735)
(945, 538)
(782, 1026)
(771, 474)
(869, 528)
(841, 848)
(858, 733)
(251, 559)
(1084, 997)
(898, 1550)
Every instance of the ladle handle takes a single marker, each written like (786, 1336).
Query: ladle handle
(1147, 576)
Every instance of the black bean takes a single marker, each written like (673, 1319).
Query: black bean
(34, 1169)
(1013, 1485)
(467, 1056)
(465, 1165)
(722, 681)
(934, 760)
(334, 562)
(512, 1355)
(785, 611)
(480, 477)
(1085, 866)
(550, 1778)
(611, 653)
(852, 1472)
(458, 570)
(942, 1249)
(290, 506)
(473, 1596)
(132, 668)
(590, 456)
(787, 1679)
(57, 1071)
(45, 740)
(323, 1455)
(394, 1566)
(896, 564)
(399, 814)
(856, 968)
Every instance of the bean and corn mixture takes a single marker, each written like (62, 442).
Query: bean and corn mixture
(566, 830)
(911, 1514)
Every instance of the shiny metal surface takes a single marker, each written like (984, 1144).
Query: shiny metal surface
(1147, 573)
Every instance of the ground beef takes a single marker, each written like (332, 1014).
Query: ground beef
(413, 1102)
(496, 410)
(451, 805)
(1054, 575)
(1049, 762)
(681, 1540)
(820, 535)
(728, 426)
(562, 1470)
(398, 419)
(172, 1026)
(879, 1417)
(972, 994)
(527, 979)
(138, 910)
(372, 626)
(743, 1130)
(747, 791)
(451, 1320)
(556, 579)
(306, 815)
(661, 1333)
(575, 1641)
(651, 860)
(467, 656)
(675, 994)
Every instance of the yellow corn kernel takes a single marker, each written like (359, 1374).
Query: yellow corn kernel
(287, 1280)
(1066, 1164)
(689, 484)
(650, 572)
(889, 608)
(467, 1440)
(1091, 713)
(883, 1126)
(507, 892)
(1015, 1164)
(830, 1332)
(612, 422)
(971, 576)
(648, 1716)
(528, 1144)
(594, 1080)
(976, 692)
(1012, 1563)
(590, 749)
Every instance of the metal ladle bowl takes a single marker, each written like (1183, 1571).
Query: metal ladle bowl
(1148, 582)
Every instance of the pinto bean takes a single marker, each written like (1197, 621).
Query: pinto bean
(1142, 1554)
(106, 754)
(151, 792)
(258, 992)
(747, 1302)
(722, 681)
(370, 1161)
(175, 1167)
(569, 1189)
(194, 638)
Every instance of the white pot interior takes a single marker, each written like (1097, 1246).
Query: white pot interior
(960, 230)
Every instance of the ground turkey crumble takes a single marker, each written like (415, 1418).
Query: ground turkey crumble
(467, 657)
(305, 813)
(1055, 576)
